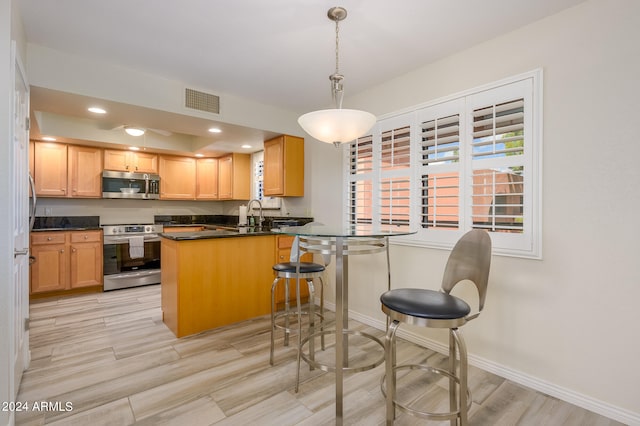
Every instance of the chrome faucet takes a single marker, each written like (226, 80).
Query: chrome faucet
(261, 218)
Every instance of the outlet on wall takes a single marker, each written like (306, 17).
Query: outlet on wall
(48, 211)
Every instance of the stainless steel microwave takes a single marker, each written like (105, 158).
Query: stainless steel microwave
(142, 186)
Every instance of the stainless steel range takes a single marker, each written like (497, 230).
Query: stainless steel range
(131, 255)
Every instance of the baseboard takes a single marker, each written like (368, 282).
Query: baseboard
(611, 411)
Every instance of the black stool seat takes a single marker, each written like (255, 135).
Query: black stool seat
(423, 303)
(305, 267)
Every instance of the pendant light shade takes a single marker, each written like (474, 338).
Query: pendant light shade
(337, 125)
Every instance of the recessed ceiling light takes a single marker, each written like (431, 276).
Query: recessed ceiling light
(48, 138)
(245, 146)
(199, 155)
(215, 130)
(134, 148)
(97, 110)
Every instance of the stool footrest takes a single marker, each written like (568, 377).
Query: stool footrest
(425, 414)
(331, 368)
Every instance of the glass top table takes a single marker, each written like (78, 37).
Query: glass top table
(342, 242)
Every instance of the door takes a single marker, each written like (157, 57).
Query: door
(20, 283)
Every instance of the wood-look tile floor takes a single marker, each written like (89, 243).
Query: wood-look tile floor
(107, 359)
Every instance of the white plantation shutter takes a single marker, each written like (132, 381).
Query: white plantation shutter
(470, 161)
(361, 156)
(394, 183)
(395, 202)
(440, 140)
(440, 168)
(360, 194)
(501, 176)
(498, 129)
(394, 149)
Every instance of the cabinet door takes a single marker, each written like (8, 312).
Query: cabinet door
(225, 177)
(273, 179)
(85, 171)
(86, 264)
(116, 160)
(207, 179)
(145, 162)
(284, 166)
(49, 270)
(178, 178)
(50, 169)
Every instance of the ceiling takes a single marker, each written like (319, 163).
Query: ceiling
(277, 52)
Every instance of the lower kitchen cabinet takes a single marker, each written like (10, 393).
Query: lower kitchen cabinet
(65, 261)
(50, 270)
(208, 283)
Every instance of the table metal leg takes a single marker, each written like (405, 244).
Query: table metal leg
(340, 320)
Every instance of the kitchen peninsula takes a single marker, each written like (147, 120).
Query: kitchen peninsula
(215, 277)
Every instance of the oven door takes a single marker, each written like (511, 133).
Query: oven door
(124, 267)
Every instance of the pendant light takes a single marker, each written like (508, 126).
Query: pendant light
(337, 125)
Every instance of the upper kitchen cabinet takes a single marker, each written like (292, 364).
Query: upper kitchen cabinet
(177, 178)
(67, 171)
(130, 161)
(234, 177)
(84, 175)
(284, 167)
(207, 179)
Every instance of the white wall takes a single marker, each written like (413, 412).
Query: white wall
(568, 324)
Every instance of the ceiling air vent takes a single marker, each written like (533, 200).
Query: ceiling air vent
(202, 101)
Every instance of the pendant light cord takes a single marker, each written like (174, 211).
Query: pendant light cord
(336, 78)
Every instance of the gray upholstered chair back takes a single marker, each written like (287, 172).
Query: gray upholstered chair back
(470, 260)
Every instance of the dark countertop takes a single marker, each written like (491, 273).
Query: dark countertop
(217, 233)
(226, 220)
(66, 223)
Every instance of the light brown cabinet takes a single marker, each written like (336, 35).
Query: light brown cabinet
(183, 229)
(84, 175)
(130, 161)
(65, 260)
(214, 282)
(86, 259)
(67, 171)
(49, 271)
(207, 179)
(234, 177)
(284, 166)
(178, 178)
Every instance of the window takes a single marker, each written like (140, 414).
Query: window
(469, 161)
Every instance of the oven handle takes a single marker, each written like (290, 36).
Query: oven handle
(124, 240)
(133, 274)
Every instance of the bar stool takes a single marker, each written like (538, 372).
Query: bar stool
(469, 260)
(294, 270)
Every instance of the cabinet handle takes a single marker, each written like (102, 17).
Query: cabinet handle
(62, 251)
(126, 167)
(49, 238)
(86, 237)
(73, 250)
